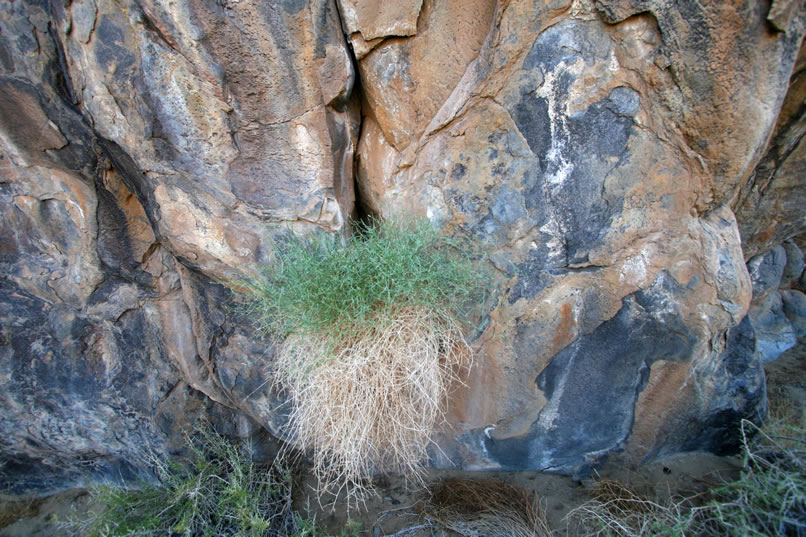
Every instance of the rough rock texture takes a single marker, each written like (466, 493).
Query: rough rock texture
(771, 320)
(769, 205)
(795, 265)
(592, 149)
(794, 306)
(146, 149)
(617, 161)
(405, 81)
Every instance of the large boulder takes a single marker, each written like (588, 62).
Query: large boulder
(609, 158)
(585, 149)
(150, 152)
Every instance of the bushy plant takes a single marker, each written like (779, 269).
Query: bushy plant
(327, 285)
(768, 498)
(217, 490)
(616, 510)
(370, 333)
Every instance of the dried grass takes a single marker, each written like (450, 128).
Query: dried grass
(618, 510)
(370, 404)
(768, 498)
(488, 508)
(14, 510)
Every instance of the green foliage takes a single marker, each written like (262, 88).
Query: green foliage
(327, 285)
(372, 341)
(216, 491)
(768, 498)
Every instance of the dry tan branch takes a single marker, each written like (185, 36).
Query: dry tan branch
(487, 508)
(371, 404)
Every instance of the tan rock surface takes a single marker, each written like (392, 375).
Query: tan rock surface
(374, 19)
(231, 125)
(149, 150)
(406, 81)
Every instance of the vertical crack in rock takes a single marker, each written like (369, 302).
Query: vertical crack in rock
(361, 210)
(133, 178)
(60, 72)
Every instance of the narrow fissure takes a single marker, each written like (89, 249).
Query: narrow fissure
(362, 214)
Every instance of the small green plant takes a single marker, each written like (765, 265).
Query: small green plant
(216, 491)
(371, 337)
(768, 498)
(322, 284)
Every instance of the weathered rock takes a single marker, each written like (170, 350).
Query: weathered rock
(232, 115)
(781, 14)
(86, 389)
(592, 385)
(595, 151)
(794, 306)
(375, 20)
(146, 152)
(405, 81)
(766, 272)
(774, 332)
(585, 150)
(769, 205)
(794, 265)
(772, 328)
(740, 389)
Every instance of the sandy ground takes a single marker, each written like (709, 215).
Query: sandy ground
(40, 517)
(395, 507)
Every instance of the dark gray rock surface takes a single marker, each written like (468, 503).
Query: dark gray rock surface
(795, 265)
(794, 306)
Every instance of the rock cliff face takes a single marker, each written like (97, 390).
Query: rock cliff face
(618, 161)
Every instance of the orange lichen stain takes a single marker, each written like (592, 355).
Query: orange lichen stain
(666, 388)
(566, 329)
(764, 236)
(472, 399)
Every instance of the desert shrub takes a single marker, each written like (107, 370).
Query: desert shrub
(372, 337)
(217, 490)
(372, 404)
(768, 498)
(485, 508)
(617, 510)
(325, 284)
